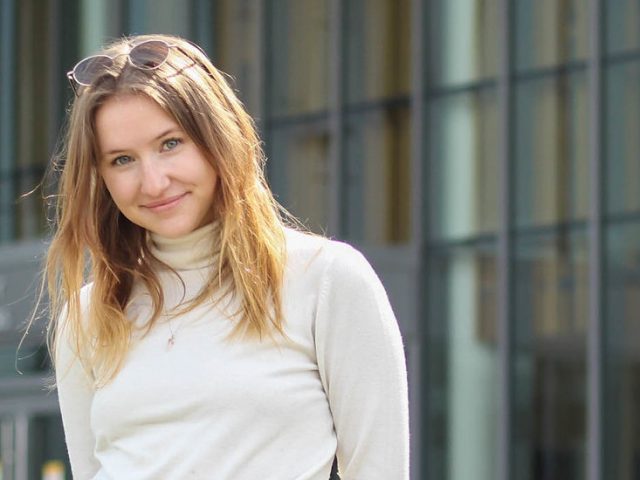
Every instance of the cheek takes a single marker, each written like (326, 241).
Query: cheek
(210, 173)
(120, 189)
(203, 174)
(212, 185)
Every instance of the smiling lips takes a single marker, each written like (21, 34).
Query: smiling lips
(165, 204)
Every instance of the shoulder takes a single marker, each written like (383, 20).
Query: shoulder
(68, 327)
(334, 260)
(84, 297)
(302, 244)
(308, 246)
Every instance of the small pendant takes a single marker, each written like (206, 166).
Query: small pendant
(171, 341)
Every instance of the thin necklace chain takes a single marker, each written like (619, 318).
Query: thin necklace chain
(171, 341)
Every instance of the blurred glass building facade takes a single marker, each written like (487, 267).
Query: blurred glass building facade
(483, 154)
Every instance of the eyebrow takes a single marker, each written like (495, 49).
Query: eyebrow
(158, 137)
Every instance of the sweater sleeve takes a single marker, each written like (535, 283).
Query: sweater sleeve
(75, 395)
(362, 367)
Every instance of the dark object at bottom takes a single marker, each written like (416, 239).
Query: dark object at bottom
(334, 470)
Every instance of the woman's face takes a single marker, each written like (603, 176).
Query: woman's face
(156, 175)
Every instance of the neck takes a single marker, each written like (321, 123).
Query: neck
(195, 250)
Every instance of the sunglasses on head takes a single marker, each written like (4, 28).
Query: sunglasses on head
(146, 55)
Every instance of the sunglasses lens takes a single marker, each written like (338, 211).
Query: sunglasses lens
(149, 55)
(87, 70)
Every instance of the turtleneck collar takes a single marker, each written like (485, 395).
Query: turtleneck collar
(195, 250)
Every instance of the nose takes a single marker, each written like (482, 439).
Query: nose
(154, 179)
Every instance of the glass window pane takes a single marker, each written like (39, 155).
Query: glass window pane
(99, 20)
(8, 189)
(35, 124)
(32, 446)
(551, 312)
(298, 56)
(622, 362)
(7, 439)
(379, 43)
(623, 18)
(19, 275)
(463, 169)
(377, 177)
(165, 16)
(550, 32)
(622, 108)
(236, 39)
(47, 451)
(461, 362)
(463, 41)
(552, 156)
(299, 173)
(36, 53)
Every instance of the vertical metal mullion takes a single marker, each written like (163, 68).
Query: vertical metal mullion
(595, 345)
(261, 68)
(21, 451)
(418, 81)
(263, 114)
(336, 117)
(418, 401)
(7, 124)
(203, 21)
(7, 448)
(504, 86)
(136, 15)
(54, 79)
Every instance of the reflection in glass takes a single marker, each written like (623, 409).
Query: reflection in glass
(463, 41)
(30, 359)
(378, 41)
(622, 139)
(463, 168)
(298, 56)
(47, 451)
(550, 32)
(622, 364)
(7, 439)
(165, 16)
(33, 119)
(236, 39)
(377, 176)
(551, 312)
(552, 157)
(299, 175)
(461, 363)
(99, 21)
(622, 32)
(32, 446)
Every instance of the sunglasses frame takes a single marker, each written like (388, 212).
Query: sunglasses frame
(73, 79)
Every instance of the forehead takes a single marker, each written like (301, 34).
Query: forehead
(126, 121)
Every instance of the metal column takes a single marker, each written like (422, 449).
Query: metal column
(596, 333)
(21, 446)
(505, 244)
(418, 381)
(336, 117)
(7, 121)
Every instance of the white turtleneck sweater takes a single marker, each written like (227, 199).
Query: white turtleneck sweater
(209, 408)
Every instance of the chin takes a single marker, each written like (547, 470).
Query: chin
(172, 231)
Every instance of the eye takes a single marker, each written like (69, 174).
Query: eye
(171, 143)
(121, 160)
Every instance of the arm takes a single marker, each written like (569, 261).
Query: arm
(362, 367)
(75, 394)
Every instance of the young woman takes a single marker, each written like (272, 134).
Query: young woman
(195, 334)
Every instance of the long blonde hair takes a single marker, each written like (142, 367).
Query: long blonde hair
(89, 230)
